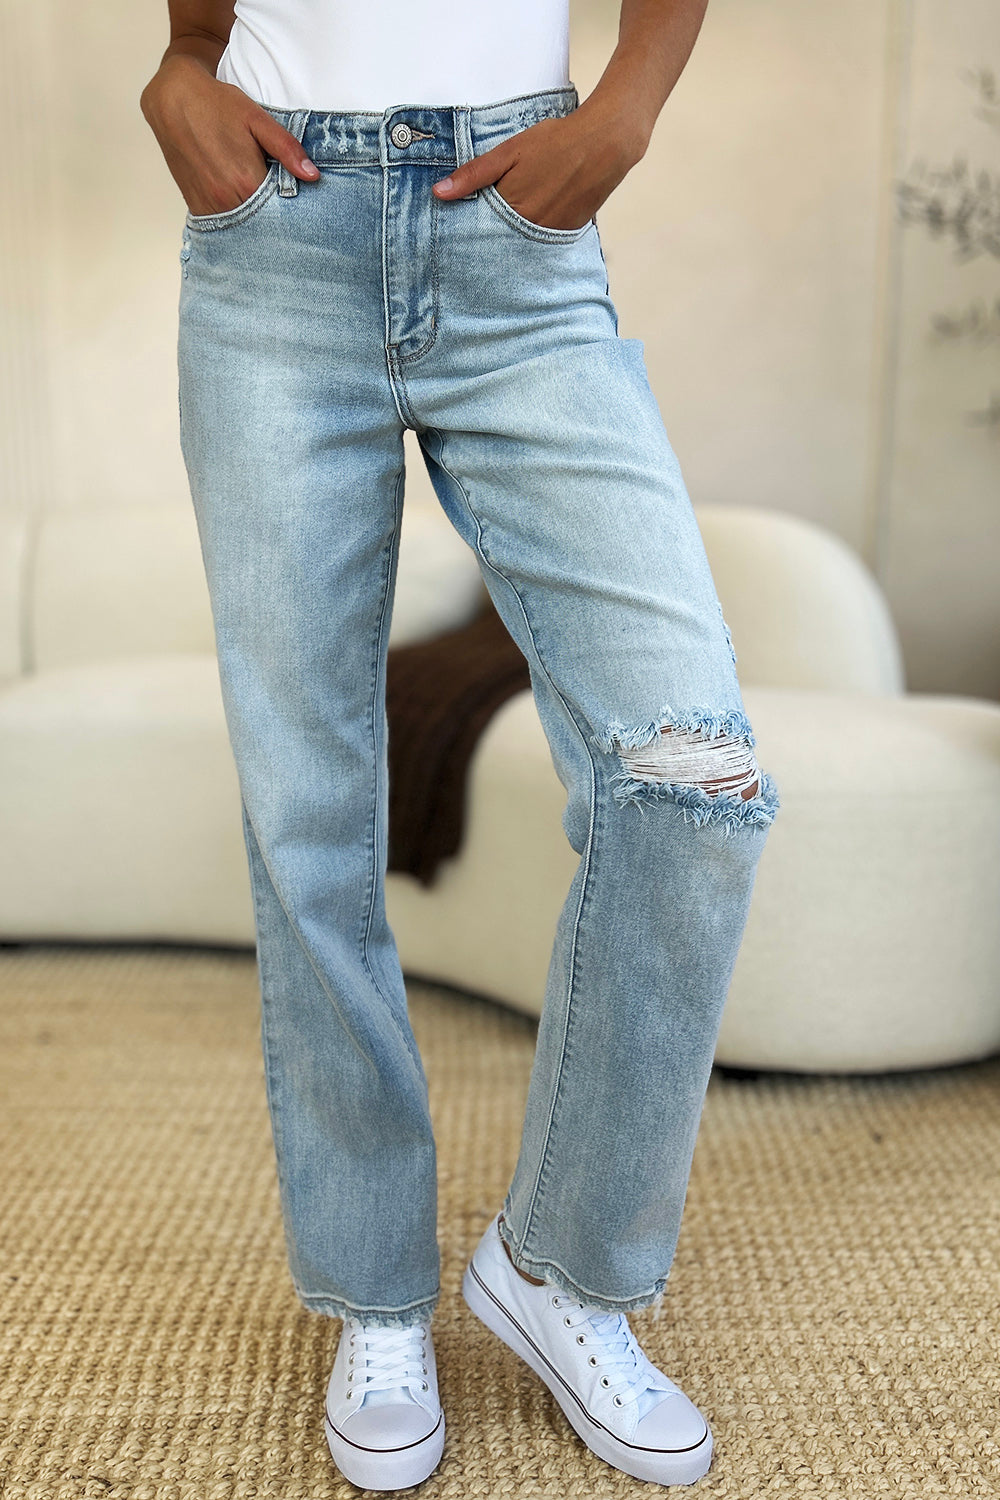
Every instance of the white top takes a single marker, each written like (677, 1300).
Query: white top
(345, 55)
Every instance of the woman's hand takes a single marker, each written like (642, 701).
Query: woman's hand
(556, 173)
(214, 136)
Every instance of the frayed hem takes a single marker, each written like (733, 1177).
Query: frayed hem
(731, 721)
(373, 1317)
(699, 807)
(556, 1277)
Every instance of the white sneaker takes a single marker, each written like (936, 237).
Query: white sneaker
(624, 1408)
(384, 1422)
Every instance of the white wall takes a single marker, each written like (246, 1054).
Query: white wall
(786, 312)
(939, 500)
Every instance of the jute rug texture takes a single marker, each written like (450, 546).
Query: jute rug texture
(833, 1306)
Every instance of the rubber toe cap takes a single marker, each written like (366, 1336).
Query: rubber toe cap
(674, 1424)
(384, 1428)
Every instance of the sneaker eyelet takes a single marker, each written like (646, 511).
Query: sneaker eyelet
(426, 1387)
(618, 1401)
(605, 1381)
(555, 1301)
(592, 1360)
(349, 1395)
(567, 1322)
(581, 1338)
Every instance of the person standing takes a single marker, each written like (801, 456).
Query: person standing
(391, 225)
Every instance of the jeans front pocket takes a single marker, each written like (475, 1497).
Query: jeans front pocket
(242, 211)
(527, 227)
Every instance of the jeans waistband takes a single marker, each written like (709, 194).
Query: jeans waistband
(444, 136)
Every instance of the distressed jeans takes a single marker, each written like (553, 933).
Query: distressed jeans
(318, 322)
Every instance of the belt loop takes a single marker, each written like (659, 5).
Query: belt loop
(464, 149)
(288, 183)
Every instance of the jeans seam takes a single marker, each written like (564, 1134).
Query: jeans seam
(587, 854)
(331, 997)
(271, 1092)
(408, 1042)
(431, 340)
(391, 360)
(399, 378)
(566, 1052)
(294, 925)
(332, 163)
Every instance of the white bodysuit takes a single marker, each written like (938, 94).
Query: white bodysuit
(346, 55)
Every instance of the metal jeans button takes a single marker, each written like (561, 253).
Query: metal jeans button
(401, 135)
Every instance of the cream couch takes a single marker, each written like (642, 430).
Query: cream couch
(873, 939)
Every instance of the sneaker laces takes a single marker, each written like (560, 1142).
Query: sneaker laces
(628, 1373)
(384, 1362)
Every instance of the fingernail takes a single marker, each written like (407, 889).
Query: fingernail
(309, 166)
(445, 185)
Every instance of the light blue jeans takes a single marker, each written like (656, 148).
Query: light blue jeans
(318, 321)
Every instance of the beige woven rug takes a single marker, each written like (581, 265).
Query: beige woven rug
(833, 1305)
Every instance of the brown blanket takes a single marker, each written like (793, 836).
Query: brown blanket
(440, 695)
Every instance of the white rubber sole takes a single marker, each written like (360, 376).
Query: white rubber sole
(656, 1467)
(397, 1469)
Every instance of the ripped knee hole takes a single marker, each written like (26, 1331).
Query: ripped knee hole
(687, 757)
